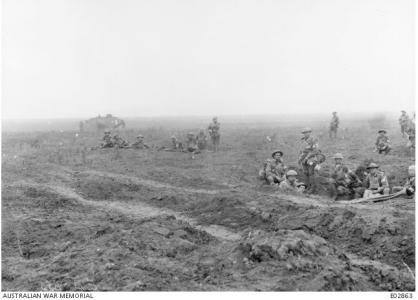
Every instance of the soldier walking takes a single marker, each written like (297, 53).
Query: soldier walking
(404, 122)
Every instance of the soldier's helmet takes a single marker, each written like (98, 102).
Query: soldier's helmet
(334, 112)
(338, 156)
(291, 173)
(190, 134)
(372, 166)
(276, 151)
(173, 137)
(140, 136)
(306, 129)
(382, 131)
(402, 111)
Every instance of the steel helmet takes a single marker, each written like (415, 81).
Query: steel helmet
(338, 155)
(373, 166)
(306, 129)
(291, 173)
(276, 151)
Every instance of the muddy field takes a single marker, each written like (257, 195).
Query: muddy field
(135, 220)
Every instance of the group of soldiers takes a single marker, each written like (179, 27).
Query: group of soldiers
(343, 182)
(193, 144)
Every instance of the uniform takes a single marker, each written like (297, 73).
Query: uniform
(139, 144)
(191, 145)
(288, 187)
(333, 127)
(404, 121)
(376, 184)
(214, 133)
(345, 183)
(201, 141)
(120, 142)
(273, 171)
(107, 141)
(383, 144)
(409, 187)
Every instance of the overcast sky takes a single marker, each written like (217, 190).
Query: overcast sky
(79, 58)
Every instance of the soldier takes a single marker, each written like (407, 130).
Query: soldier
(139, 143)
(411, 136)
(333, 127)
(376, 183)
(191, 144)
(120, 142)
(201, 140)
(81, 126)
(403, 121)
(214, 133)
(309, 150)
(290, 184)
(409, 187)
(107, 140)
(274, 169)
(343, 181)
(382, 142)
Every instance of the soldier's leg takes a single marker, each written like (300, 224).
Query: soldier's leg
(270, 180)
(396, 189)
(386, 191)
(367, 194)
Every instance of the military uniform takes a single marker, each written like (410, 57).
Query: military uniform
(273, 171)
(107, 141)
(375, 183)
(214, 133)
(404, 121)
(139, 144)
(288, 187)
(120, 142)
(335, 121)
(383, 144)
(201, 141)
(345, 183)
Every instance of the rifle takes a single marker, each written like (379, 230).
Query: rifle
(374, 199)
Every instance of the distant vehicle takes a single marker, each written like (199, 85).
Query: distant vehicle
(100, 123)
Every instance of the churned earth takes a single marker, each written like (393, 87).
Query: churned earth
(75, 219)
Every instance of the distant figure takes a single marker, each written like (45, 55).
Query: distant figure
(403, 122)
(333, 127)
(191, 144)
(411, 137)
(107, 140)
(343, 181)
(382, 142)
(81, 126)
(290, 184)
(119, 142)
(375, 183)
(274, 170)
(201, 140)
(139, 143)
(214, 133)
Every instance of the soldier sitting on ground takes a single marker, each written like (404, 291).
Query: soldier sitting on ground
(107, 140)
(119, 142)
(290, 184)
(382, 142)
(191, 144)
(274, 169)
(201, 140)
(376, 183)
(344, 182)
(139, 143)
(409, 186)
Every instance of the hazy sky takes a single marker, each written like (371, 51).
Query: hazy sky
(78, 58)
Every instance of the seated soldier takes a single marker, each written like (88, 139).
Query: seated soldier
(107, 140)
(344, 182)
(409, 187)
(201, 140)
(119, 142)
(191, 144)
(290, 184)
(382, 142)
(274, 169)
(376, 183)
(139, 143)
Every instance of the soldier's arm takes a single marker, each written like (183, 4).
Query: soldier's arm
(269, 169)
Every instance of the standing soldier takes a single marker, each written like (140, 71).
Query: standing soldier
(81, 126)
(310, 145)
(139, 143)
(333, 127)
(274, 169)
(404, 122)
(214, 133)
(382, 142)
(107, 140)
(376, 183)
